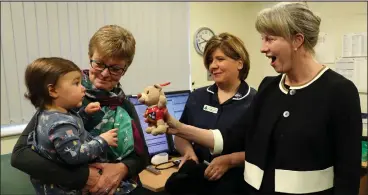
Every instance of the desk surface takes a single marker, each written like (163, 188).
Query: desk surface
(154, 182)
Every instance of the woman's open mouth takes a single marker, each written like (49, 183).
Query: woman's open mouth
(273, 59)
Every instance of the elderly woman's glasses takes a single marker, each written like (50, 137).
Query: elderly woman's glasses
(113, 70)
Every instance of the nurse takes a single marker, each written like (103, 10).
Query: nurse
(218, 106)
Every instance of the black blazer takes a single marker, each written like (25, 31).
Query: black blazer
(314, 129)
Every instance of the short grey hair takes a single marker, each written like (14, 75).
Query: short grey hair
(288, 19)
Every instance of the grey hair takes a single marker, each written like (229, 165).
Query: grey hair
(288, 19)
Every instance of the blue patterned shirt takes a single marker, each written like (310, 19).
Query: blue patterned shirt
(61, 137)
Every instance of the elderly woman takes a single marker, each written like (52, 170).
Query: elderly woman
(217, 106)
(111, 51)
(303, 127)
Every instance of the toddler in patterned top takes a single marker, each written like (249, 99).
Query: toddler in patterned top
(54, 88)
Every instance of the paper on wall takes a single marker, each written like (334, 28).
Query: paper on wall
(361, 72)
(346, 67)
(354, 45)
(354, 69)
(347, 45)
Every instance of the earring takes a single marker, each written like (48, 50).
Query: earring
(295, 49)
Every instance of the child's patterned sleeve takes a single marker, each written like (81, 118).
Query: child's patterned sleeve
(83, 114)
(90, 120)
(70, 148)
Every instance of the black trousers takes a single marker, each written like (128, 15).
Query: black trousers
(143, 191)
(189, 180)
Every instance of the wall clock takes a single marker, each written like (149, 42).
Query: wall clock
(201, 37)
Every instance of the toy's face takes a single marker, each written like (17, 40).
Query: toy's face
(150, 96)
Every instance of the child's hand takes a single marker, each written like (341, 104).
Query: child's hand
(111, 137)
(92, 107)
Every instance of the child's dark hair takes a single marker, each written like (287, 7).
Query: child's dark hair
(43, 72)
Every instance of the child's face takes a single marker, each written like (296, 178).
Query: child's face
(69, 90)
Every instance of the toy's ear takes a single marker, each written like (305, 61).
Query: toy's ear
(158, 87)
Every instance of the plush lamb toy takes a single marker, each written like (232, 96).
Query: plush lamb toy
(154, 98)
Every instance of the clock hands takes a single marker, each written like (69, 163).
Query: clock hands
(204, 41)
(200, 36)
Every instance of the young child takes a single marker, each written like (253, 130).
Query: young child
(54, 88)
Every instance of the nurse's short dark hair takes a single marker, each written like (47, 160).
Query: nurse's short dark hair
(232, 46)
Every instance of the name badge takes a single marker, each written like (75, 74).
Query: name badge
(210, 109)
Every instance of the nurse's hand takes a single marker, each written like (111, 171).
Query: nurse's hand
(190, 155)
(217, 168)
(172, 122)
